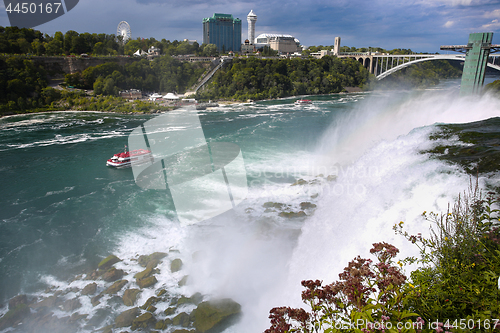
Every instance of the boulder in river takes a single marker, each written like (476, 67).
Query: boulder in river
(290, 215)
(108, 262)
(112, 274)
(176, 265)
(15, 301)
(130, 296)
(71, 305)
(115, 287)
(182, 319)
(15, 315)
(126, 318)
(145, 320)
(151, 260)
(214, 314)
(144, 274)
(147, 282)
(89, 289)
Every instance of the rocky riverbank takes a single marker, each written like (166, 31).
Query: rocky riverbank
(115, 293)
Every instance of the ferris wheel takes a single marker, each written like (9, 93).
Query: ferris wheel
(124, 31)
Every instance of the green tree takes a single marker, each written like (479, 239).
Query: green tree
(210, 50)
(68, 41)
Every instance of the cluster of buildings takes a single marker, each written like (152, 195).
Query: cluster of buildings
(224, 31)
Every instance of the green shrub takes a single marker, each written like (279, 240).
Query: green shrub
(460, 262)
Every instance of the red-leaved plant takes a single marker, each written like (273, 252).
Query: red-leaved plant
(369, 297)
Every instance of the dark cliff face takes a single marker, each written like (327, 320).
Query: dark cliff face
(57, 66)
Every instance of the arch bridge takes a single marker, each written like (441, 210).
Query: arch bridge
(383, 65)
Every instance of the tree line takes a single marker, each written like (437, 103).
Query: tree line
(162, 74)
(14, 40)
(256, 79)
(24, 84)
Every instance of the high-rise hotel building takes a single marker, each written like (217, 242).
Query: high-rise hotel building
(224, 31)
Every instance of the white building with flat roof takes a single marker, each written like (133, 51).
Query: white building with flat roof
(277, 42)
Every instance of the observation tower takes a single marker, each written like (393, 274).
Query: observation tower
(251, 19)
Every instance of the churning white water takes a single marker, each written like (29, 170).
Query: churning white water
(357, 158)
(383, 178)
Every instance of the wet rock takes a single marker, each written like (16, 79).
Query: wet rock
(145, 320)
(151, 309)
(19, 299)
(176, 265)
(50, 323)
(126, 318)
(76, 316)
(290, 215)
(71, 305)
(307, 205)
(94, 275)
(152, 264)
(144, 274)
(147, 282)
(151, 301)
(169, 311)
(151, 260)
(112, 274)
(182, 319)
(163, 324)
(49, 302)
(197, 298)
(115, 287)
(160, 325)
(161, 292)
(99, 318)
(331, 178)
(270, 204)
(95, 299)
(300, 182)
(184, 300)
(89, 289)
(108, 262)
(14, 316)
(214, 314)
(107, 329)
(183, 281)
(130, 296)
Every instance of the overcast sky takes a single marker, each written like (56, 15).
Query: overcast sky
(420, 25)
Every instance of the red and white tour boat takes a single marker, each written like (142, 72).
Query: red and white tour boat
(303, 101)
(125, 159)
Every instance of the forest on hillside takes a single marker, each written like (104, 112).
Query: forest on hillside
(256, 79)
(14, 40)
(163, 74)
(24, 85)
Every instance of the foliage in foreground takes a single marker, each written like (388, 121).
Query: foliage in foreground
(369, 297)
(459, 262)
(453, 290)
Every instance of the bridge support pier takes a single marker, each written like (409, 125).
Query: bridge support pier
(477, 52)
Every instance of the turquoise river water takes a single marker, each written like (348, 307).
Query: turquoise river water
(62, 210)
